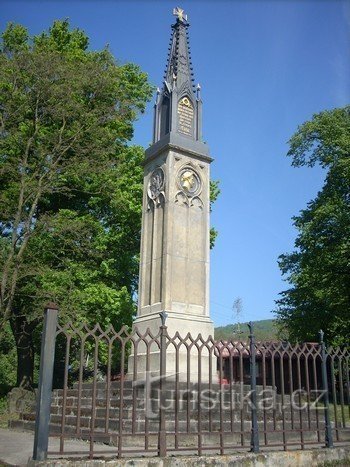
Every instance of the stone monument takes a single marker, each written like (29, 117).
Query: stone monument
(174, 266)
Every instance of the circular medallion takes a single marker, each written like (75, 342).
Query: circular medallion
(189, 181)
(156, 183)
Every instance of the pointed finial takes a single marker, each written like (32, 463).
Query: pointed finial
(198, 89)
(157, 96)
(321, 333)
(163, 316)
(179, 12)
(251, 328)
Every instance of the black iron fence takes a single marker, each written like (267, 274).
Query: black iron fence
(157, 394)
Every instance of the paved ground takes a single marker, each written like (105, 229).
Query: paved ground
(16, 448)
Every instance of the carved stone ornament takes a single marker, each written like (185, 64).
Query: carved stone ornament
(189, 181)
(156, 185)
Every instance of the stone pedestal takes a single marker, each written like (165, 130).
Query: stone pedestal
(183, 352)
(174, 266)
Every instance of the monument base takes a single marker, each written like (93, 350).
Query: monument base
(190, 352)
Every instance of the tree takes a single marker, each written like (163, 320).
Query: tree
(318, 270)
(70, 187)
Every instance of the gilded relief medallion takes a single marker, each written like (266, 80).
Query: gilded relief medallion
(189, 181)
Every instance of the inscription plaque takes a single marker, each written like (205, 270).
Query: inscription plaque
(185, 116)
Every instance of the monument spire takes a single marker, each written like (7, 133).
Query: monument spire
(178, 106)
(174, 259)
(179, 67)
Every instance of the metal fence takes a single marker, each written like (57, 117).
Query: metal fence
(155, 394)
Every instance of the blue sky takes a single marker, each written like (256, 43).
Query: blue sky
(265, 67)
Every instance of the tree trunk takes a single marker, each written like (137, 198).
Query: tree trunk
(23, 334)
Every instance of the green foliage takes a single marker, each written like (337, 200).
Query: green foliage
(15, 38)
(318, 270)
(70, 187)
(8, 362)
(214, 193)
(59, 38)
(264, 330)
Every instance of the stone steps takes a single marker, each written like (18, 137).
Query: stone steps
(212, 423)
(169, 390)
(181, 405)
(182, 413)
(128, 396)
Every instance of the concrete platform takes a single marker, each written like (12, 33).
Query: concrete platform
(16, 450)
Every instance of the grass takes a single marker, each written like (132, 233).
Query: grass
(339, 413)
(5, 416)
(339, 463)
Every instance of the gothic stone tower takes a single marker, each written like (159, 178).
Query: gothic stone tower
(174, 268)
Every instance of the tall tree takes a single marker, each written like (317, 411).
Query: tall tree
(318, 270)
(70, 188)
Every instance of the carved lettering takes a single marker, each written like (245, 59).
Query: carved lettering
(185, 117)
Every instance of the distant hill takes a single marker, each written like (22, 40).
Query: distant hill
(264, 330)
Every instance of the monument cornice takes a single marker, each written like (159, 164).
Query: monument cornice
(195, 149)
(176, 315)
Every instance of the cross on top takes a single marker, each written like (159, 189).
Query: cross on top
(179, 12)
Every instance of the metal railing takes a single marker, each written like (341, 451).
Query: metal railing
(162, 395)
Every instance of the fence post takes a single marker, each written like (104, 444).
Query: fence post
(162, 447)
(43, 405)
(254, 444)
(328, 427)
